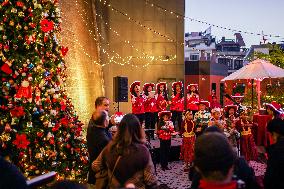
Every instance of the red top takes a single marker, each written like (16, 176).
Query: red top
(192, 99)
(161, 103)
(177, 103)
(211, 185)
(215, 105)
(137, 104)
(165, 130)
(150, 104)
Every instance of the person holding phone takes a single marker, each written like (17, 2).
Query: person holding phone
(150, 107)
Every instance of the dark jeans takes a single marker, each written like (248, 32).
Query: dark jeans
(165, 146)
(177, 116)
(141, 117)
(150, 122)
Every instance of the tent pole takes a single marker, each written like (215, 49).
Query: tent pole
(252, 93)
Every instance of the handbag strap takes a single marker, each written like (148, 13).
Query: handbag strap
(117, 160)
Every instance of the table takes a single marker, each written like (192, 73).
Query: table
(262, 136)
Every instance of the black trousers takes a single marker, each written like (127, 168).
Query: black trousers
(165, 146)
(150, 122)
(141, 118)
(177, 116)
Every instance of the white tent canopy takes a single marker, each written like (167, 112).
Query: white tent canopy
(258, 69)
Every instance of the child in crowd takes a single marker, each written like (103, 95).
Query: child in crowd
(165, 130)
(216, 119)
(202, 117)
(214, 103)
(230, 129)
(177, 103)
(248, 147)
(187, 147)
(192, 98)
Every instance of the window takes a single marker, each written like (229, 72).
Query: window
(230, 64)
(194, 57)
(208, 56)
(238, 64)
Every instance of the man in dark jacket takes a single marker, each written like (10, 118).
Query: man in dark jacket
(274, 176)
(97, 138)
(10, 176)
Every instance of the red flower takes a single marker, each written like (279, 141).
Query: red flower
(64, 50)
(21, 141)
(64, 121)
(18, 112)
(20, 4)
(46, 25)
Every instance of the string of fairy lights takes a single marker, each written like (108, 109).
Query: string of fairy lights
(139, 23)
(152, 58)
(180, 16)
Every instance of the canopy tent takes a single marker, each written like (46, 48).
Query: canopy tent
(257, 70)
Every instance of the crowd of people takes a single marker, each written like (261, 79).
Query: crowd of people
(123, 160)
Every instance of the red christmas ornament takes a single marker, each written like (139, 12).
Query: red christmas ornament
(6, 68)
(46, 25)
(21, 141)
(64, 50)
(20, 4)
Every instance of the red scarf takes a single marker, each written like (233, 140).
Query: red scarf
(211, 185)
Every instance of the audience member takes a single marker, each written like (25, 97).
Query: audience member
(216, 169)
(274, 176)
(242, 170)
(129, 153)
(97, 138)
(10, 176)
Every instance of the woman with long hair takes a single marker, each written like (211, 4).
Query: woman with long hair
(192, 98)
(137, 101)
(150, 107)
(130, 155)
(162, 96)
(177, 103)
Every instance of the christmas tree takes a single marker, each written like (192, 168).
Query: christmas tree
(39, 129)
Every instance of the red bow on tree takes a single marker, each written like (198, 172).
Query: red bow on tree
(64, 50)
(18, 111)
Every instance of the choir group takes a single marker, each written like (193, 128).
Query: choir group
(151, 107)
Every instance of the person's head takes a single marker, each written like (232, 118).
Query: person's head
(148, 87)
(102, 103)
(202, 106)
(276, 128)
(101, 118)
(135, 88)
(213, 93)
(216, 113)
(231, 111)
(213, 129)
(217, 166)
(192, 88)
(188, 115)
(129, 131)
(66, 184)
(165, 115)
(177, 88)
(238, 100)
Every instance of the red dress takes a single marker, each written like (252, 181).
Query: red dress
(161, 103)
(137, 104)
(248, 147)
(191, 101)
(188, 140)
(177, 103)
(150, 104)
